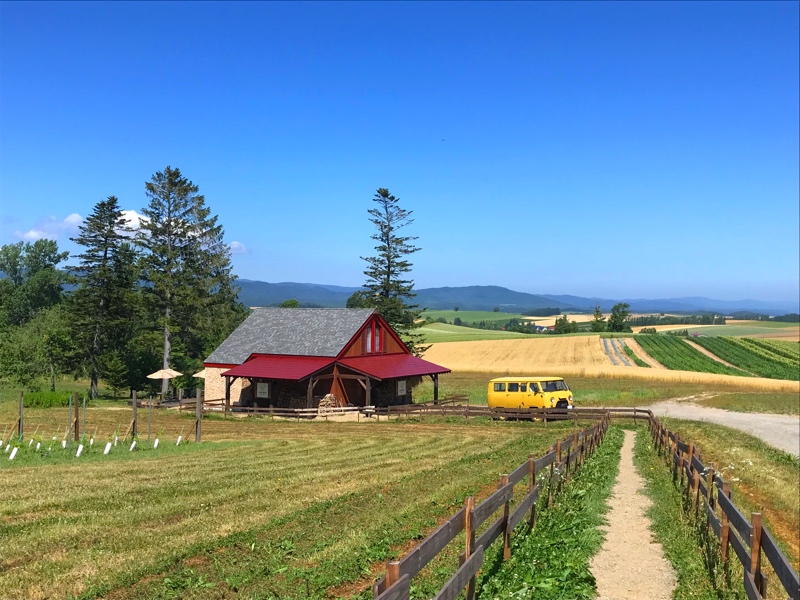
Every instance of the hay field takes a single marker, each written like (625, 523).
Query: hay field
(572, 355)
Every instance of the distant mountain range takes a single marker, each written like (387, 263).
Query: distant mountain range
(487, 297)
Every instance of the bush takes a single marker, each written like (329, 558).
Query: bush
(46, 399)
(648, 330)
(679, 333)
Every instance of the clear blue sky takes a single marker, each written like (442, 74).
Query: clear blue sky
(626, 149)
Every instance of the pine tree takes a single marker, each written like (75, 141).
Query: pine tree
(599, 321)
(100, 302)
(386, 288)
(186, 265)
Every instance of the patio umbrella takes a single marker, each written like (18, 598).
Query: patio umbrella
(164, 374)
(200, 374)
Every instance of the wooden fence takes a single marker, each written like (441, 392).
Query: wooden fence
(711, 494)
(560, 461)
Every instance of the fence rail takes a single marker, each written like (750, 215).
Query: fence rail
(563, 458)
(709, 492)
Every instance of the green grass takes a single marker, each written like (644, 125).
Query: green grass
(743, 330)
(766, 402)
(762, 477)
(552, 561)
(441, 332)
(304, 508)
(752, 356)
(698, 575)
(632, 355)
(470, 316)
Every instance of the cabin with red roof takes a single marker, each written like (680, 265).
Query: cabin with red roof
(292, 357)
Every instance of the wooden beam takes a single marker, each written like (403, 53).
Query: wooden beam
(435, 378)
(227, 394)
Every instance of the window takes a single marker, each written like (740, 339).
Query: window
(535, 388)
(374, 341)
(499, 387)
(513, 387)
(523, 387)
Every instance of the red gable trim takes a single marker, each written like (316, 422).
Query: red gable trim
(386, 328)
(391, 366)
(293, 368)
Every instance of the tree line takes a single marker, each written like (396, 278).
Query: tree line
(130, 302)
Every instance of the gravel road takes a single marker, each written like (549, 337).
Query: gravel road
(780, 431)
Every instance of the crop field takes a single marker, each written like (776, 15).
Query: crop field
(756, 329)
(580, 355)
(676, 354)
(307, 509)
(760, 357)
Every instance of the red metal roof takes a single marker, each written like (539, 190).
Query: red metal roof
(293, 368)
(390, 366)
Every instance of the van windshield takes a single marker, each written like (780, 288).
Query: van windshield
(554, 386)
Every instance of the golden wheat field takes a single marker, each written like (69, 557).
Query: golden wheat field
(578, 355)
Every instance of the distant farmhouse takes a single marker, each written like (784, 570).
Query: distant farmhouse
(292, 357)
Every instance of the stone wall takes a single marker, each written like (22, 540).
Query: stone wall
(215, 386)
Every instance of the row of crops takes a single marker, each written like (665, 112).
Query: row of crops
(756, 356)
(676, 354)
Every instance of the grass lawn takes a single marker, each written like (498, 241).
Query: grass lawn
(620, 391)
(443, 332)
(470, 316)
(762, 478)
(301, 510)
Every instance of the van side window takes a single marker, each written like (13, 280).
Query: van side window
(523, 387)
(513, 387)
(499, 387)
(535, 388)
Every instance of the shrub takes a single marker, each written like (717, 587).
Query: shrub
(46, 399)
(650, 330)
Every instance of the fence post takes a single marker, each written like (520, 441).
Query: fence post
(755, 553)
(69, 425)
(710, 485)
(696, 490)
(134, 428)
(531, 485)
(392, 573)
(726, 527)
(20, 427)
(469, 537)
(506, 530)
(198, 416)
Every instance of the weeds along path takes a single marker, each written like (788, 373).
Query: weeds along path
(630, 564)
(779, 431)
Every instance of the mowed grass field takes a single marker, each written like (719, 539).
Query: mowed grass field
(303, 510)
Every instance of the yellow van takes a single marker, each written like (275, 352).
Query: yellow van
(529, 392)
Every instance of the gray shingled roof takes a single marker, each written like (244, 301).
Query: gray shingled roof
(294, 331)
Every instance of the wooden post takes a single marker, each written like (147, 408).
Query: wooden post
(369, 392)
(20, 427)
(436, 388)
(149, 417)
(198, 416)
(69, 426)
(696, 490)
(392, 572)
(227, 394)
(133, 421)
(469, 536)
(506, 530)
(531, 485)
(726, 527)
(710, 485)
(755, 552)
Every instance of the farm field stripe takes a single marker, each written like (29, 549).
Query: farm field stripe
(608, 352)
(615, 343)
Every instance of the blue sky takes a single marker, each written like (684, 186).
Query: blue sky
(634, 150)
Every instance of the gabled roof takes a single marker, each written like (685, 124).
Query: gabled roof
(292, 331)
(390, 366)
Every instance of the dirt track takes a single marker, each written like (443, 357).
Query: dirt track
(630, 564)
(780, 431)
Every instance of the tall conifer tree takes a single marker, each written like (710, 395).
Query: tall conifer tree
(387, 283)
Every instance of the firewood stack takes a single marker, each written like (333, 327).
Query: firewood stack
(327, 403)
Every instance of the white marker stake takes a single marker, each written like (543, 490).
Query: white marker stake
(133, 445)
(178, 443)
(116, 439)
(63, 444)
(8, 447)
(108, 448)
(13, 454)
(80, 449)
(30, 443)
(155, 445)
(91, 441)
(38, 445)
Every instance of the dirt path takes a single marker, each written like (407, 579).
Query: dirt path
(711, 355)
(780, 431)
(630, 564)
(639, 351)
